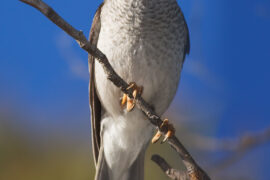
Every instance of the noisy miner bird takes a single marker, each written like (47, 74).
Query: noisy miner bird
(146, 42)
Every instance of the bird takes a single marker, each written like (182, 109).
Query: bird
(146, 42)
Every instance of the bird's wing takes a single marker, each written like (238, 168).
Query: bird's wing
(187, 44)
(95, 104)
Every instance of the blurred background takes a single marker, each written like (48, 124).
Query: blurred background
(221, 110)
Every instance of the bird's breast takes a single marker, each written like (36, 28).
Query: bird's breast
(143, 45)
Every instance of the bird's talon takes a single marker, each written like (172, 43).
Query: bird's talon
(131, 85)
(135, 93)
(170, 132)
(123, 100)
(156, 137)
(130, 102)
(164, 140)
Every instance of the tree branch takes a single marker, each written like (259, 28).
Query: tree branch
(193, 170)
(241, 143)
(240, 146)
(168, 170)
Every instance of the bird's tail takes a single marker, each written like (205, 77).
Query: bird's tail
(102, 169)
(135, 172)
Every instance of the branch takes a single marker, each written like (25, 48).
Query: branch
(194, 171)
(241, 143)
(168, 170)
(241, 146)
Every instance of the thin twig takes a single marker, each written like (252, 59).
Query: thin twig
(230, 145)
(241, 147)
(168, 170)
(194, 171)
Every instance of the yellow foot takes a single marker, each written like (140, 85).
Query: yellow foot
(130, 102)
(170, 131)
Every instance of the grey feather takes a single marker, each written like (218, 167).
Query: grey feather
(95, 104)
(136, 171)
(102, 169)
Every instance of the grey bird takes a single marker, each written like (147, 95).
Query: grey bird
(146, 42)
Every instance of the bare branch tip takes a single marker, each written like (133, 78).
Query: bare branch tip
(155, 157)
(160, 162)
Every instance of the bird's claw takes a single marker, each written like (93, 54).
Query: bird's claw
(170, 131)
(156, 137)
(130, 102)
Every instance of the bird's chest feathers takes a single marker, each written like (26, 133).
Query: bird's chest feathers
(142, 47)
(133, 37)
(130, 51)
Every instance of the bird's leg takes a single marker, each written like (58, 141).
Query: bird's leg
(170, 131)
(130, 102)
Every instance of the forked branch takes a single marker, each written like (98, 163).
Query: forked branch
(193, 170)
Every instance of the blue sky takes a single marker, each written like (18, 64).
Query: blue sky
(225, 80)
